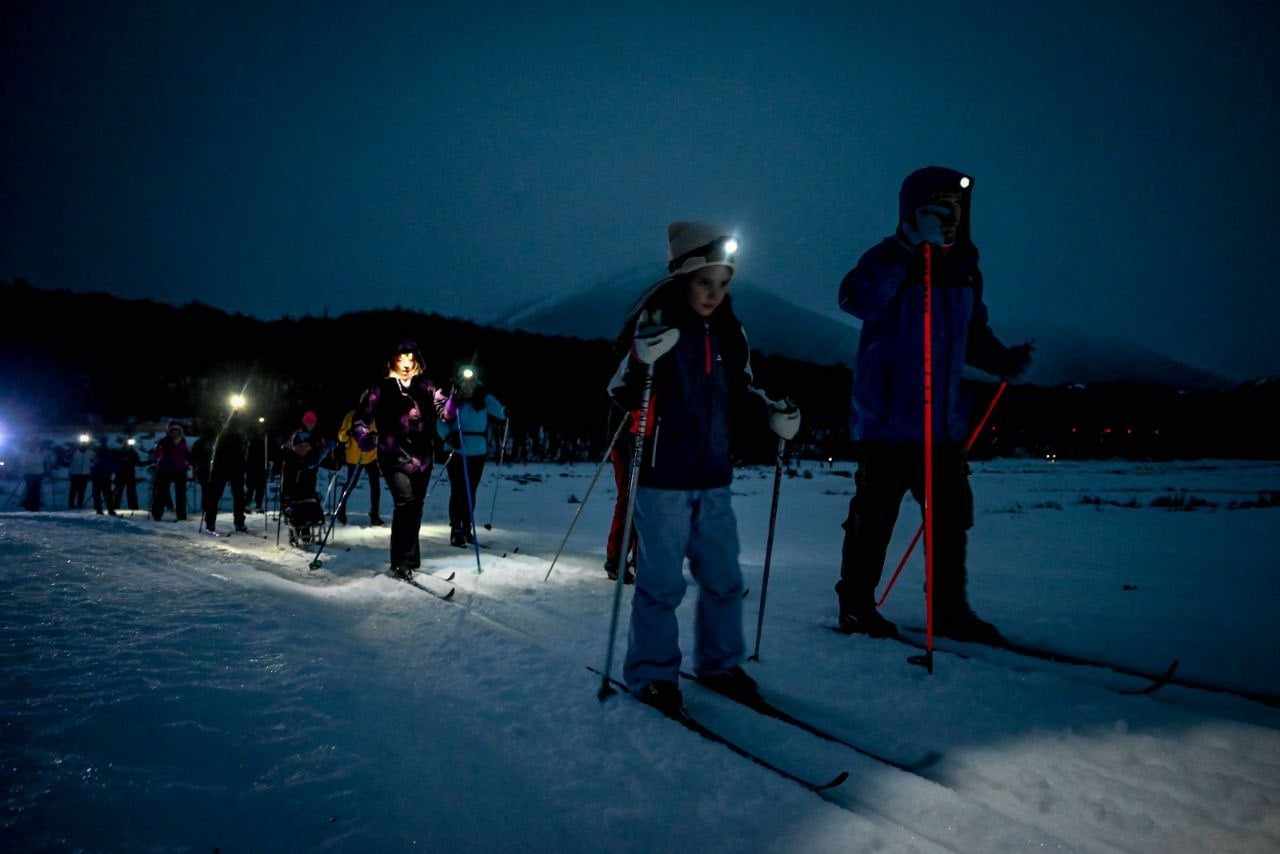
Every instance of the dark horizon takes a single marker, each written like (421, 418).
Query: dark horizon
(441, 160)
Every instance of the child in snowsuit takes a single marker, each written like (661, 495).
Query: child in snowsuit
(358, 460)
(687, 334)
(464, 427)
(102, 471)
(402, 405)
(885, 290)
(79, 473)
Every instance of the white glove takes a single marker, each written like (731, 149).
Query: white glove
(784, 419)
(652, 338)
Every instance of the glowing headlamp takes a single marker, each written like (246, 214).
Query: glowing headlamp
(965, 182)
(237, 401)
(262, 419)
(131, 442)
(85, 438)
(719, 251)
(468, 374)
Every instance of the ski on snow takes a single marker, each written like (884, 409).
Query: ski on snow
(692, 724)
(415, 583)
(769, 710)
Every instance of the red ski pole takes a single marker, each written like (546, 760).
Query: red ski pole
(968, 445)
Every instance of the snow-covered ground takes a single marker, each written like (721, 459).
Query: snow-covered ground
(164, 691)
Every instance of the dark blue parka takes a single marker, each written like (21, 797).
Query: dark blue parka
(697, 388)
(886, 291)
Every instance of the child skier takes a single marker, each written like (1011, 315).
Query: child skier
(685, 332)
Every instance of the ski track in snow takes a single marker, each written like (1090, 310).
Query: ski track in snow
(168, 691)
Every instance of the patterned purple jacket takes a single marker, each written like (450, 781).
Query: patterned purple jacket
(406, 421)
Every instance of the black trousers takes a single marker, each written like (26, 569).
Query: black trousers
(102, 491)
(35, 491)
(886, 472)
(129, 483)
(459, 498)
(76, 491)
(375, 488)
(212, 494)
(408, 490)
(255, 487)
(161, 483)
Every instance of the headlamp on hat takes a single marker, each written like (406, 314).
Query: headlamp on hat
(965, 182)
(85, 438)
(466, 373)
(237, 401)
(722, 250)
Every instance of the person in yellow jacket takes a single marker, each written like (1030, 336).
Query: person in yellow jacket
(358, 460)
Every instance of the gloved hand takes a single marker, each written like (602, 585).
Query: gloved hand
(1016, 360)
(365, 438)
(928, 227)
(784, 419)
(652, 338)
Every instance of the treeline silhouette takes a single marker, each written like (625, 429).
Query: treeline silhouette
(80, 358)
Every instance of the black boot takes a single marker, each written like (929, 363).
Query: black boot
(611, 570)
(733, 683)
(375, 520)
(662, 695)
(403, 573)
(866, 621)
(958, 622)
(457, 538)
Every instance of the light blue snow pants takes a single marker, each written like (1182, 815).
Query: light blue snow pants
(672, 525)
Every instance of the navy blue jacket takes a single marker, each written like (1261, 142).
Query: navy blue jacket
(697, 388)
(886, 291)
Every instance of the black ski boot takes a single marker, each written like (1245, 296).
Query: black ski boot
(733, 683)
(961, 624)
(866, 621)
(457, 538)
(342, 517)
(662, 695)
(375, 521)
(611, 570)
(403, 573)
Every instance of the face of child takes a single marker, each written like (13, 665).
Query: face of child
(708, 288)
(406, 367)
(951, 218)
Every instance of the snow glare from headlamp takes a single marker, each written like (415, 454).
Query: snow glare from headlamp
(719, 251)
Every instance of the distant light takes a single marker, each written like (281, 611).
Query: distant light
(262, 419)
(85, 438)
(132, 442)
(965, 182)
(731, 246)
(237, 401)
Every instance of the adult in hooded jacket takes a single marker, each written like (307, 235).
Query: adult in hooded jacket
(886, 292)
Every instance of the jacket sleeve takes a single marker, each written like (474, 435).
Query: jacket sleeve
(495, 408)
(362, 417)
(984, 350)
(344, 431)
(870, 287)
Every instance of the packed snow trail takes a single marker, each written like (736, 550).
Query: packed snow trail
(163, 690)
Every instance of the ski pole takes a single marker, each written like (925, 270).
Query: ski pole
(346, 493)
(582, 505)
(926, 660)
(633, 480)
(768, 547)
(502, 455)
(973, 438)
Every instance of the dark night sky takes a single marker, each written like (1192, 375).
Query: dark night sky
(284, 160)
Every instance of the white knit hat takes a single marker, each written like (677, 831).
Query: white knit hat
(694, 245)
